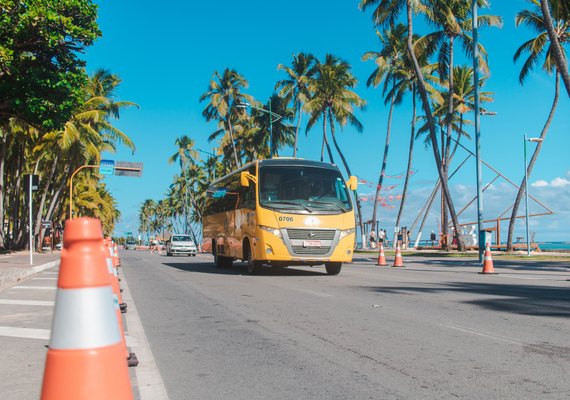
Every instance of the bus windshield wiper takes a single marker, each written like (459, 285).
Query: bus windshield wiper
(291, 203)
(330, 202)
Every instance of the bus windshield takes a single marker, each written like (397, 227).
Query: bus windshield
(303, 190)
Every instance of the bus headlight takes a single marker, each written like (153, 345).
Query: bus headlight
(346, 232)
(274, 231)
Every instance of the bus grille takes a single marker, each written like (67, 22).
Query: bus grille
(297, 236)
(305, 234)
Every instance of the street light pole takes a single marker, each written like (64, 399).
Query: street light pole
(535, 140)
(477, 129)
(271, 121)
(211, 154)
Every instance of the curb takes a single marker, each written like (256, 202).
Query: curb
(15, 275)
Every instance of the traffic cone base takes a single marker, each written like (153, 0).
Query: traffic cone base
(99, 373)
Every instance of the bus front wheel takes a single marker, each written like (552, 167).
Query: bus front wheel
(333, 268)
(253, 266)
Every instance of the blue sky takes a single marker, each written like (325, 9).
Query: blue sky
(166, 54)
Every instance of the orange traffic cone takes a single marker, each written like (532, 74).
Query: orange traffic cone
(398, 259)
(381, 257)
(110, 252)
(117, 300)
(488, 262)
(86, 358)
(116, 252)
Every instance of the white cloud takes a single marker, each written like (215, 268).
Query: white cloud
(540, 183)
(559, 182)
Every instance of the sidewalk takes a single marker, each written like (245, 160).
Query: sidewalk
(16, 266)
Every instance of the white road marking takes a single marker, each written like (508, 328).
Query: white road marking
(41, 334)
(532, 277)
(44, 279)
(25, 333)
(487, 335)
(34, 287)
(27, 302)
(149, 381)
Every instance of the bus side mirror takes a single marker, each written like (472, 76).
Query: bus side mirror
(352, 183)
(245, 177)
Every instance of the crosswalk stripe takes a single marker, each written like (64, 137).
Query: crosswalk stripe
(27, 302)
(35, 287)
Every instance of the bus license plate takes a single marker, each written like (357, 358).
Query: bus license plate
(311, 243)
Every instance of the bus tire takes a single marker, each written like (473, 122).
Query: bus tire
(253, 267)
(220, 261)
(333, 268)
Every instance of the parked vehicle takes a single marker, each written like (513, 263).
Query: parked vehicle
(180, 244)
(130, 244)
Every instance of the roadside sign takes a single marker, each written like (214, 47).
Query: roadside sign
(107, 167)
(128, 234)
(125, 168)
(35, 182)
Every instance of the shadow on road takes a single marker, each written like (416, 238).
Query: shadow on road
(240, 268)
(530, 265)
(517, 299)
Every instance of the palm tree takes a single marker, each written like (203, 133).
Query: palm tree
(387, 12)
(223, 95)
(272, 134)
(538, 49)
(561, 11)
(186, 155)
(389, 60)
(453, 19)
(295, 89)
(333, 100)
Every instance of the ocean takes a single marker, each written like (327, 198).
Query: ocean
(554, 246)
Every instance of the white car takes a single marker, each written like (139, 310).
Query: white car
(180, 244)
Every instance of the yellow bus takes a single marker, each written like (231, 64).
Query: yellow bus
(281, 212)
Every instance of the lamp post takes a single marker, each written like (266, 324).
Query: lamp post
(271, 121)
(534, 140)
(210, 154)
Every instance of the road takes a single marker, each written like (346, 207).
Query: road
(435, 329)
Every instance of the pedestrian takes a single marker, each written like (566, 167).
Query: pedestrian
(155, 247)
(408, 234)
(381, 236)
(372, 239)
(432, 238)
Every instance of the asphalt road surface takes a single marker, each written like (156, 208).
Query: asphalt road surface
(433, 330)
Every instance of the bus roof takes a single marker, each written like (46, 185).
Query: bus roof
(281, 161)
(297, 162)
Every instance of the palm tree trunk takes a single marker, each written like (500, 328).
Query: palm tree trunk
(299, 112)
(44, 192)
(231, 131)
(384, 159)
(3, 134)
(325, 141)
(410, 156)
(522, 187)
(431, 124)
(445, 150)
(561, 63)
(358, 207)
